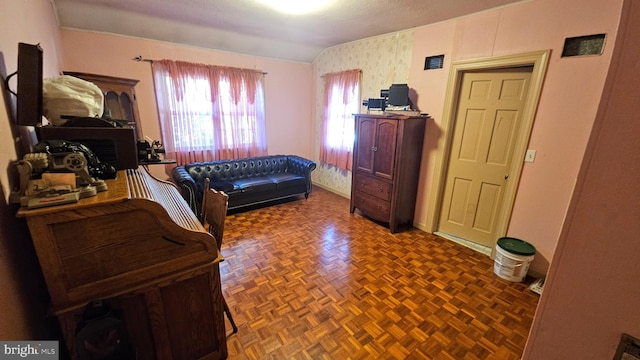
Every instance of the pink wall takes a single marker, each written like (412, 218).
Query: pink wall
(566, 111)
(22, 301)
(592, 295)
(287, 97)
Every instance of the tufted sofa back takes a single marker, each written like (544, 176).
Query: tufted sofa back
(230, 170)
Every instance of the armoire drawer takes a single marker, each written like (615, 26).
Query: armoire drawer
(372, 186)
(372, 206)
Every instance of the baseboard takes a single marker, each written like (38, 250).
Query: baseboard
(536, 274)
(348, 196)
(483, 249)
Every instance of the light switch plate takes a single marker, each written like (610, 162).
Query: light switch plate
(530, 156)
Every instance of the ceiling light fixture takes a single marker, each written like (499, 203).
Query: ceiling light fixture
(297, 7)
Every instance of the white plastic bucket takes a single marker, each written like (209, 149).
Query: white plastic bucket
(511, 265)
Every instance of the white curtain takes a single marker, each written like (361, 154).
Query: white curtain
(209, 112)
(341, 101)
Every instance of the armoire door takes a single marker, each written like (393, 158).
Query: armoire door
(365, 145)
(385, 148)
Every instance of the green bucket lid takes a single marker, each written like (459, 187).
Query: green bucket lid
(516, 246)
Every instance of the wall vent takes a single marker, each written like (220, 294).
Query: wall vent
(433, 62)
(583, 45)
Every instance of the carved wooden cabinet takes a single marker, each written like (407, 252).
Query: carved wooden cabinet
(119, 97)
(386, 167)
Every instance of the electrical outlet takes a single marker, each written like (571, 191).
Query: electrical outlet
(530, 156)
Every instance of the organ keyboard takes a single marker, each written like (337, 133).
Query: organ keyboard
(139, 247)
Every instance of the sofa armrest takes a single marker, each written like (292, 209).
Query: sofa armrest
(187, 186)
(301, 166)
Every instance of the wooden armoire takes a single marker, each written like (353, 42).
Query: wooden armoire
(386, 167)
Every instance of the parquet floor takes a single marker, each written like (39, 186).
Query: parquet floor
(308, 280)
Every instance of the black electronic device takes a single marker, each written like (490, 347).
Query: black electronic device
(96, 168)
(399, 95)
(372, 103)
(149, 152)
(115, 146)
(396, 97)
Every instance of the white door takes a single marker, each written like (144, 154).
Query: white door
(488, 118)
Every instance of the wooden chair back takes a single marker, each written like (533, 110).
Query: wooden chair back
(214, 214)
(214, 211)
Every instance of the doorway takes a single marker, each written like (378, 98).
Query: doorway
(489, 110)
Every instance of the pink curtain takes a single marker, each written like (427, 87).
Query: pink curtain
(341, 101)
(209, 112)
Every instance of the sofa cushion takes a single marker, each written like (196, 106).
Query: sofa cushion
(288, 180)
(255, 184)
(226, 186)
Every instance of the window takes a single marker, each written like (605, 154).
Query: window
(199, 133)
(210, 112)
(341, 101)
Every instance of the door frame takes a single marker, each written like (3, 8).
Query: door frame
(539, 61)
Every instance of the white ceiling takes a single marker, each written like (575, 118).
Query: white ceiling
(250, 27)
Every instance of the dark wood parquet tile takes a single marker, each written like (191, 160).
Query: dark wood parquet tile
(308, 280)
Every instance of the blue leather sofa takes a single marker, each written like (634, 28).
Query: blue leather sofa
(247, 181)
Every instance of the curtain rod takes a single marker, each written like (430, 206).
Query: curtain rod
(140, 58)
(337, 72)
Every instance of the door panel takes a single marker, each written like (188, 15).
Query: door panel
(386, 149)
(479, 90)
(366, 141)
(470, 141)
(487, 203)
(487, 122)
(459, 198)
(502, 137)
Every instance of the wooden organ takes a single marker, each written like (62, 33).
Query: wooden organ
(139, 252)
